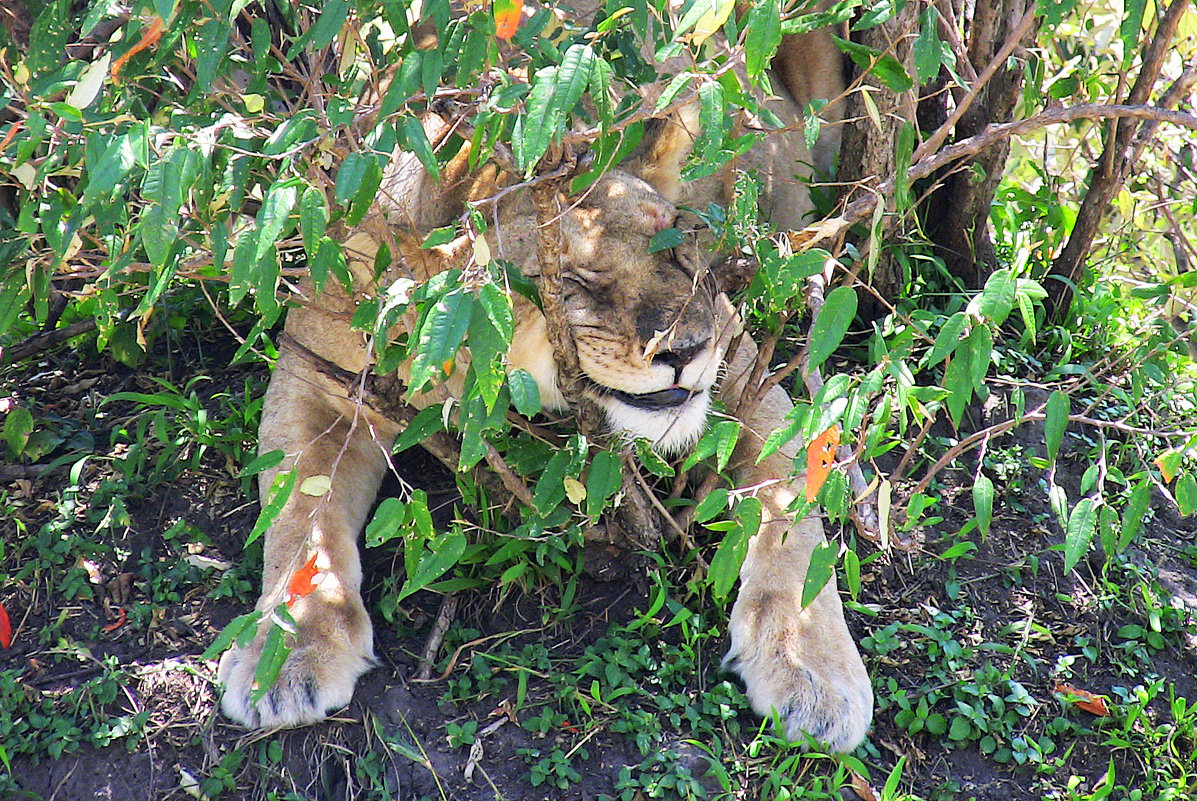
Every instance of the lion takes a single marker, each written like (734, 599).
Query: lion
(653, 336)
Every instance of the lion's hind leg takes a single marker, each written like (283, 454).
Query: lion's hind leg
(339, 458)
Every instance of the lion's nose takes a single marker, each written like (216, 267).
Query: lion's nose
(680, 354)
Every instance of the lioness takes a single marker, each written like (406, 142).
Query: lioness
(651, 334)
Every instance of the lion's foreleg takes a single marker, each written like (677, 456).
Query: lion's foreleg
(798, 663)
(339, 455)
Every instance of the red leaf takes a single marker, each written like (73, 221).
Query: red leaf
(5, 628)
(303, 581)
(151, 35)
(507, 17)
(820, 456)
(120, 620)
(1092, 703)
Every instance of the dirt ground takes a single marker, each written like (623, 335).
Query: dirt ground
(1010, 591)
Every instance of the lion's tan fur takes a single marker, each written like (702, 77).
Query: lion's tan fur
(798, 663)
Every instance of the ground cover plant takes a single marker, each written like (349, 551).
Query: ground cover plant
(1003, 342)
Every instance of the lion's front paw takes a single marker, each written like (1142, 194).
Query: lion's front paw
(804, 669)
(317, 677)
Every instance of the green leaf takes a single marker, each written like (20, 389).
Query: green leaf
(276, 499)
(274, 215)
(673, 90)
(263, 461)
(1186, 494)
(313, 219)
(18, 425)
(1055, 422)
(604, 480)
(961, 729)
(320, 35)
(835, 317)
(117, 160)
(651, 460)
(232, 631)
(211, 44)
(550, 487)
(820, 571)
(487, 349)
(443, 552)
(725, 565)
(1079, 533)
(887, 68)
(274, 654)
(428, 421)
(417, 142)
(555, 92)
(980, 353)
(1131, 28)
(762, 35)
(439, 336)
(525, 393)
(947, 339)
(957, 380)
(926, 47)
(996, 300)
(665, 239)
(350, 176)
(1132, 516)
(711, 124)
(983, 503)
(712, 505)
(787, 276)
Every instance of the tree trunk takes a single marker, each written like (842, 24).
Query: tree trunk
(957, 213)
(867, 153)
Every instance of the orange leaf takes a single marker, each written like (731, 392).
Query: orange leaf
(507, 17)
(5, 628)
(1169, 463)
(303, 581)
(8, 137)
(120, 620)
(820, 456)
(152, 34)
(1092, 703)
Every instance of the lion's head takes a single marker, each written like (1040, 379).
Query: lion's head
(650, 327)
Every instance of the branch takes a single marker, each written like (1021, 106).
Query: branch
(860, 209)
(45, 339)
(999, 428)
(547, 202)
(864, 511)
(936, 139)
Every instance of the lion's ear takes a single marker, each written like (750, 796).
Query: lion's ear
(666, 145)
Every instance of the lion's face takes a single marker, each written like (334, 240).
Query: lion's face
(647, 326)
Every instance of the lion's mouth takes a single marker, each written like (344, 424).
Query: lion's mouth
(653, 401)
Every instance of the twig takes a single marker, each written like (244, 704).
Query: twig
(546, 200)
(865, 507)
(444, 619)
